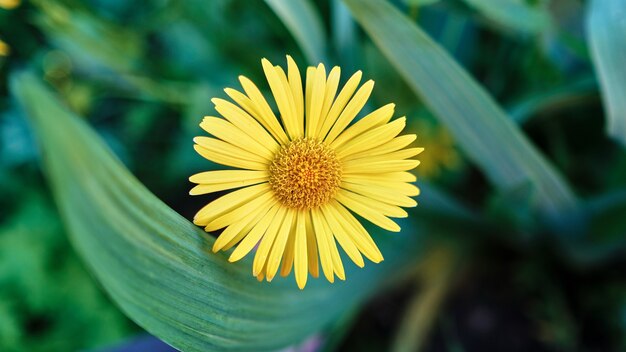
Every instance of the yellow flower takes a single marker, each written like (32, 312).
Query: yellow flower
(301, 180)
(9, 4)
(5, 49)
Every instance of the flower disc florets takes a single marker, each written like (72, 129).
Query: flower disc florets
(305, 174)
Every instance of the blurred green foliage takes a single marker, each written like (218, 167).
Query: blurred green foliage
(143, 74)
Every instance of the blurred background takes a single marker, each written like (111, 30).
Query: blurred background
(143, 72)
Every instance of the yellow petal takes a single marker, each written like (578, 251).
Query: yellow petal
(267, 241)
(216, 187)
(238, 117)
(366, 166)
(300, 259)
(278, 248)
(263, 109)
(331, 90)
(397, 155)
(264, 200)
(273, 127)
(338, 105)
(323, 245)
(220, 146)
(373, 215)
(228, 202)
(391, 146)
(311, 245)
(374, 119)
(352, 109)
(375, 204)
(223, 153)
(401, 176)
(227, 132)
(282, 96)
(287, 263)
(317, 101)
(372, 138)
(403, 188)
(342, 237)
(295, 83)
(381, 194)
(254, 236)
(227, 176)
(359, 234)
(238, 227)
(310, 80)
(334, 253)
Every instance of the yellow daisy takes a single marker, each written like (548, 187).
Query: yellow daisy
(302, 179)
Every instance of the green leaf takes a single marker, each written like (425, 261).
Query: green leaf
(577, 91)
(420, 2)
(305, 24)
(484, 131)
(158, 267)
(514, 14)
(606, 31)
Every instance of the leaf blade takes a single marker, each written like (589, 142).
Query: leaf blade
(479, 125)
(305, 24)
(606, 32)
(514, 14)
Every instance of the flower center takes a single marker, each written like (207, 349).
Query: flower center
(305, 174)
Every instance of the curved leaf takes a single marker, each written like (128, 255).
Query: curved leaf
(304, 23)
(514, 14)
(606, 30)
(157, 266)
(487, 135)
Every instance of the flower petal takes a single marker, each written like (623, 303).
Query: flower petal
(237, 228)
(339, 104)
(264, 200)
(391, 146)
(255, 235)
(216, 187)
(227, 176)
(352, 109)
(329, 96)
(264, 112)
(295, 83)
(342, 237)
(301, 260)
(229, 202)
(278, 248)
(372, 138)
(283, 97)
(381, 194)
(374, 119)
(223, 153)
(317, 101)
(260, 259)
(357, 205)
(365, 166)
(359, 234)
(323, 245)
(238, 117)
(229, 133)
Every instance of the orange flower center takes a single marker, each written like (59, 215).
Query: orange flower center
(305, 174)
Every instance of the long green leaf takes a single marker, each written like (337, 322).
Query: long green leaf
(487, 135)
(158, 267)
(304, 23)
(606, 30)
(514, 14)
